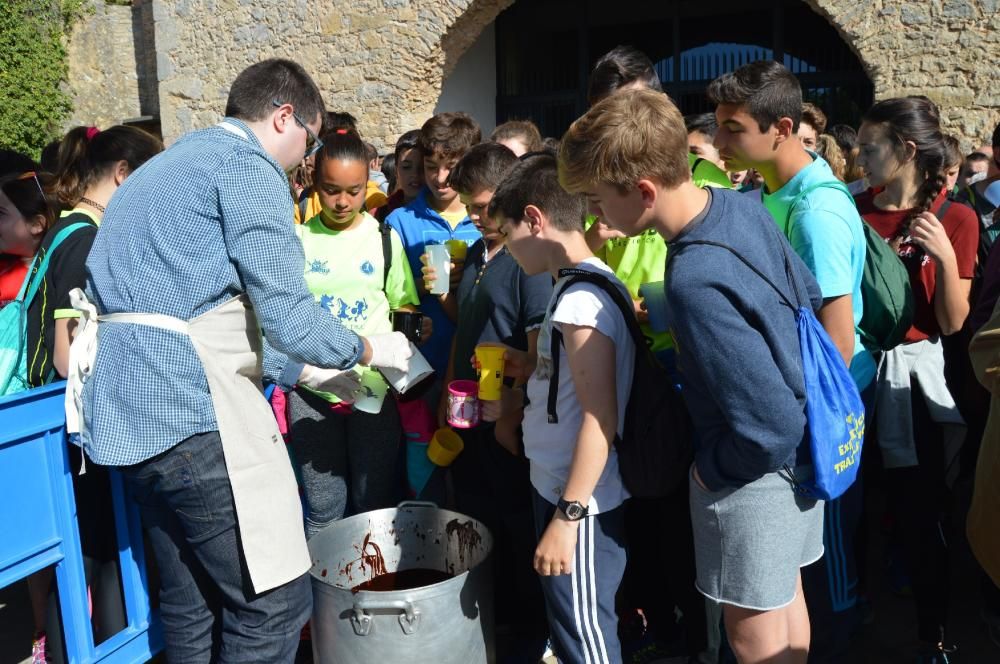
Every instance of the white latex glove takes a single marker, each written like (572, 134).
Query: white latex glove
(341, 383)
(390, 351)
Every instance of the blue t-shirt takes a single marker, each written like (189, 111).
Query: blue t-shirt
(826, 232)
(419, 225)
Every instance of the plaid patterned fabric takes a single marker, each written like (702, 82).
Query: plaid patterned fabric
(206, 220)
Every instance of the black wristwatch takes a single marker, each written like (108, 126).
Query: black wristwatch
(574, 510)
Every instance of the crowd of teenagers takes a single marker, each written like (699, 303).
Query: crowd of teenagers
(646, 268)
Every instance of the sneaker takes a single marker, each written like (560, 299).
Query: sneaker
(38, 649)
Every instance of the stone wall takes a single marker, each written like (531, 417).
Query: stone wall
(102, 67)
(385, 60)
(945, 49)
(381, 60)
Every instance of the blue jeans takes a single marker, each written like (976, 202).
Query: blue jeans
(209, 610)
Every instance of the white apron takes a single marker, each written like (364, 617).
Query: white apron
(228, 342)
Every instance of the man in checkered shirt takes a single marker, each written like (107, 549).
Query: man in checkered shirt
(208, 220)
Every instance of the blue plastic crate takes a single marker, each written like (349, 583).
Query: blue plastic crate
(38, 526)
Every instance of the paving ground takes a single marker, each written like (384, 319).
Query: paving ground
(887, 641)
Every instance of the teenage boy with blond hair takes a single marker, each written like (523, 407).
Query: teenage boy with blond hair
(577, 490)
(739, 357)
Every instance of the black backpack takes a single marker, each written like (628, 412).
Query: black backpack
(656, 448)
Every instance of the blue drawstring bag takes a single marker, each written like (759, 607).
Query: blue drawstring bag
(835, 414)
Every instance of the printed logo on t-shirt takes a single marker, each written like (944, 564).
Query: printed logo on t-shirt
(367, 268)
(318, 267)
(344, 311)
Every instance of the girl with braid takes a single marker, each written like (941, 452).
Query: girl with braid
(904, 155)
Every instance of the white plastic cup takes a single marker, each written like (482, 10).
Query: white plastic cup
(439, 258)
(402, 381)
(369, 398)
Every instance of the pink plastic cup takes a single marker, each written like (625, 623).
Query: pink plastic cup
(463, 404)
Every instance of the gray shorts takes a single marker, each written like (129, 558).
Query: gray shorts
(751, 541)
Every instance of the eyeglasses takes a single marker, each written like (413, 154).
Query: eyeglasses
(313, 144)
(33, 175)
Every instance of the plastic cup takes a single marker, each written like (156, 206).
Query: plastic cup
(445, 445)
(439, 258)
(463, 404)
(402, 381)
(458, 249)
(372, 392)
(491, 361)
(655, 297)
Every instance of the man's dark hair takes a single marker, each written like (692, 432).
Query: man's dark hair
(451, 134)
(766, 88)
(257, 87)
(482, 168)
(534, 180)
(617, 68)
(701, 122)
(977, 156)
(996, 137)
(845, 136)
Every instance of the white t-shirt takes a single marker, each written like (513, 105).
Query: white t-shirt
(550, 447)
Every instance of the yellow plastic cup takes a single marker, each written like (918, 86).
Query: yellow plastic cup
(458, 249)
(445, 445)
(491, 361)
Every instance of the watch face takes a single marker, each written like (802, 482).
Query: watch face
(574, 511)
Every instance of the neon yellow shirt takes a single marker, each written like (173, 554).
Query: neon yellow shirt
(344, 271)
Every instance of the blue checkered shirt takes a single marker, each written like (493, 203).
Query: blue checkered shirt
(206, 220)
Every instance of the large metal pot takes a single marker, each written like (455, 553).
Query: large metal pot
(449, 621)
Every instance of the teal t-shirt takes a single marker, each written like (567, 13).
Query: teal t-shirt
(826, 232)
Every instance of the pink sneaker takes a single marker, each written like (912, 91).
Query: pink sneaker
(38, 649)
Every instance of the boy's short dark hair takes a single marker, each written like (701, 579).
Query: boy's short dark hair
(525, 131)
(256, 88)
(482, 168)
(766, 88)
(451, 134)
(952, 152)
(996, 137)
(371, 152)
(813, 116)
(534, 180)
(845, 136)
(617, 68)
(977, 156)
(701, 122)
(407, 141)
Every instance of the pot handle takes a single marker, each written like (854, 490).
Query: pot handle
(409, 617)
(416, 503)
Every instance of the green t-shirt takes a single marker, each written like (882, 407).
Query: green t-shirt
(642, 259)
(345, 270)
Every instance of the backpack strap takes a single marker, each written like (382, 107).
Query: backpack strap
(36, 276)
(386, 232)
(753, 268)
(556, 338)
(829, 184)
